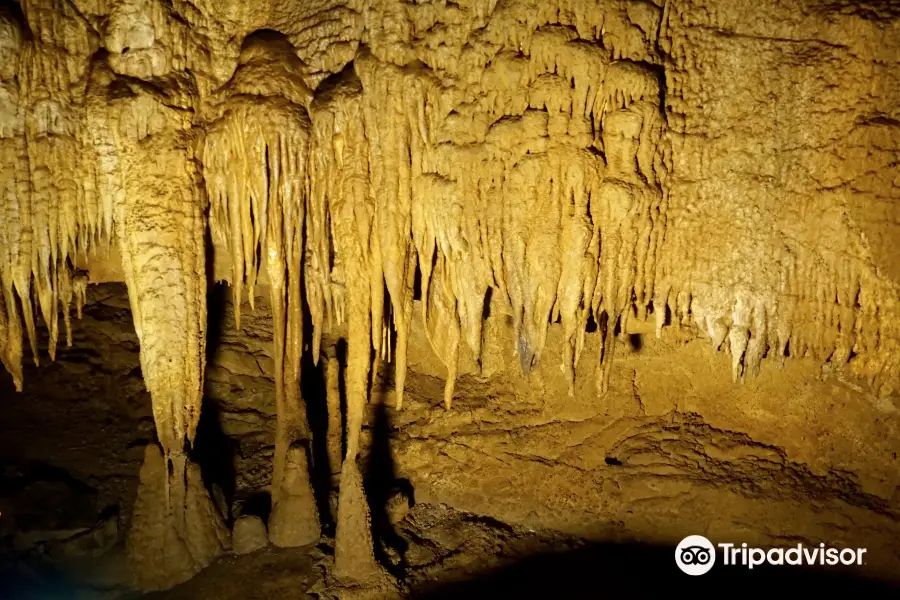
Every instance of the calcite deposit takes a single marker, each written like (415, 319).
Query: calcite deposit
(381, 169)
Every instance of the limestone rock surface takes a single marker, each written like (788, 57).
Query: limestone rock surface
(248, 535)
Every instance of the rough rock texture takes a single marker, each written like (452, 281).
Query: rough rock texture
(248, 535)
(784, 144)
(553, 111)
(579, 172)
(354, 556)
(176, 530)
(294, 520)
(668, 452)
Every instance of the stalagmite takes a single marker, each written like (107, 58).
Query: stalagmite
(65, 140)
(175, 530)
(283, 246)
(294, 518)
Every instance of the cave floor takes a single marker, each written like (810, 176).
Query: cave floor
(438, 552)
(434, 548)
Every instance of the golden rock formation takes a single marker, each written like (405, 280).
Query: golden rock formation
(582, 162)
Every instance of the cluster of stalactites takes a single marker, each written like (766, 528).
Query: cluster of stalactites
(537, 216)
(254, 173)
(47, 215)
(531, 164)
(824, 309)
(344, 278)
(530, 211)
(552, 227)
(254, 164)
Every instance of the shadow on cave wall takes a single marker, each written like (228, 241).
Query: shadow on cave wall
(314, 394)
(213, 450)
(381, 483)
(644, 571)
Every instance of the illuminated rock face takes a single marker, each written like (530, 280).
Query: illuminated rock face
(702, 163)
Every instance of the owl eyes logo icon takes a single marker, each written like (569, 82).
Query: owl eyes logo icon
(695, 555)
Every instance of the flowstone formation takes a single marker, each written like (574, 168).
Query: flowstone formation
(592, 164)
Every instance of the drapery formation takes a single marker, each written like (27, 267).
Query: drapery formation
(353, 156)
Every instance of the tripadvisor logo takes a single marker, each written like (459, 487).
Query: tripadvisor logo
(696, 555)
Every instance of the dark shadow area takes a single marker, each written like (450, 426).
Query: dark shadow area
(417, 283)
(214, 452)
(212, 449)
(379, 367)
(36, 496)
(635, 342)
(314, 391)
(259, 504)
(30, 579)
(216, 299)
(13, 9)
(140, 443)
(381, 483)
(486, 308)
(340, 354)
(644, 571)
(592, 325)
(270, 37)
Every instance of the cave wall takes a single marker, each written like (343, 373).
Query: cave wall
(716, 177)
(785, 141)
(71, 441)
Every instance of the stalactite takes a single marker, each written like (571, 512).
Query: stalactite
(397, 138)
(160, 225)
(162, 247)
(10, 334)
(442, 325)
(14, 231)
